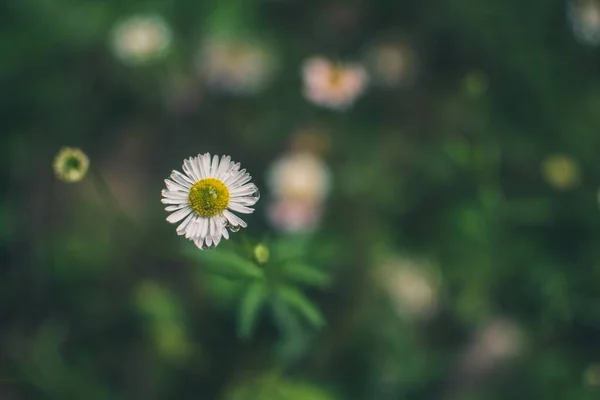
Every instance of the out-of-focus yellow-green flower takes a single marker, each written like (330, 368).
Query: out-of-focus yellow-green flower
(561, 172)
(172, 341)
(591, 376)
(475, 84)
(392, 63)
(261, 253)
(71, 164)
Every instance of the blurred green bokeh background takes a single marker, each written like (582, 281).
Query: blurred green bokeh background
(458, 246)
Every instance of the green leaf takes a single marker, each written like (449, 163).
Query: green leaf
(305, 274)
(230, 265)
(295, 299)
(252, 302)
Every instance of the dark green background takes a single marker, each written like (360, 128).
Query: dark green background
(427, 170)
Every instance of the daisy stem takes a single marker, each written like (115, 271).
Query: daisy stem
(108, 197)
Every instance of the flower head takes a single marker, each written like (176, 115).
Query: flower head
(71, 164)
(141, 39)
(204, 196)
(300, 175)
(391, 64)
(333, 85)
(411, 285)
(561, 172)
(584, 17)
(235, 66)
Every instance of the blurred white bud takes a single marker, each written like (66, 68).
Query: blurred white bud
(332, 85)
(411, 285)
(141, 39)
(235, 66)
(300, 176)
(584, 18)
(392, 64)
(494, 343)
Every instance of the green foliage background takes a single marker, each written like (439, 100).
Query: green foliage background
(95, 308)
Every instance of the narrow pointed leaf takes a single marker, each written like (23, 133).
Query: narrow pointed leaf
(296, 300)
(305, 274)
(252, 302)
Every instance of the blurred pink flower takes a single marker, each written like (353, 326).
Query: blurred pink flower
(332, 85)
(294, 215)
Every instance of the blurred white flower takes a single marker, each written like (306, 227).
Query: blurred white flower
(584, 18)
(71, 165)
(392, 64)
(561, 171)
(411, 285)
(294, 215)
(299, 176)
(141, 39)
(332, 85)
(204, 197)
(235, 66)
(495, 342)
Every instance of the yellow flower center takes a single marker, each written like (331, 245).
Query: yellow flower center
(335, 76)
(209, 197)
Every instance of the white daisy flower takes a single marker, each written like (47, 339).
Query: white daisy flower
(204, 196)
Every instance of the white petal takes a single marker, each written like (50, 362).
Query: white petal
(175, 207)
(199, 164)
(187, 168)
(204, 226)
(182, 228)
(223, 166)
(174, 186)
(173, 201)
(245, 190)
(226, 233)
(240, 180)
(199, 242)
(234, 177)
(208, 240)
(174, 195)
(179, 215)
(195, 167)
(181, 179)
(206, 164)
(233, 205)
(244, 200)
(234, 219)
(214, 166)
